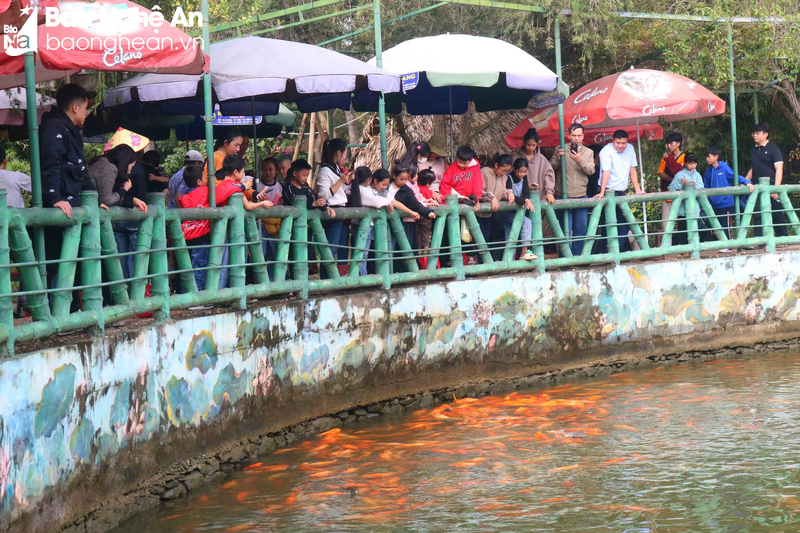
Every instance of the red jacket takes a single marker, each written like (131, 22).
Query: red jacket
(464, 182)
(194, 229)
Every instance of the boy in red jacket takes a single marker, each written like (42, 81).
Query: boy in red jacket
(464, 177)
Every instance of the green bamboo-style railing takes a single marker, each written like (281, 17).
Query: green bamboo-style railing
(162, 255)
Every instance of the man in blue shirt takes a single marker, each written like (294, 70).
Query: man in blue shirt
(177, 186)
(617, 169)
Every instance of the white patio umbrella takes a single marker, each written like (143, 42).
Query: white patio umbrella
(255, 69)
(443, 73)
(250, 75)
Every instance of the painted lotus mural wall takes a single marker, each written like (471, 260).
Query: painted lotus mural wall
(62, 409)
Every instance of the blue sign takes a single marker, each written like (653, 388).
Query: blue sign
(548, 99)
(222, 120)
(410, 81)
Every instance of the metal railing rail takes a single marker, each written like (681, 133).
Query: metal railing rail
(89, 248)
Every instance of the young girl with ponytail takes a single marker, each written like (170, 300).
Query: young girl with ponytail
(332, 184)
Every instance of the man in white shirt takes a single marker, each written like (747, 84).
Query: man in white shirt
(618, 166)
(13, 182)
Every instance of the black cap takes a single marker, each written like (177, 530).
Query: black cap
(69, 93)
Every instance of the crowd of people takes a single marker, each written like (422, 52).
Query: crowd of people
(416, 183)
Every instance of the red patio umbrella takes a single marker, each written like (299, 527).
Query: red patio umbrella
(639, 96)
(549, 137)
(114, 35)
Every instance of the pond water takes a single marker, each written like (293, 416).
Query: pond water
(711, 447)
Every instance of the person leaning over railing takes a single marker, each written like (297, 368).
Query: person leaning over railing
(364, 192)
(494, 191)
(332, 184)
(297, 185)
(580, 165)
(110, 174)
(541, 176)
(520, 193)
(423, 225)
(64, 171)
(269, 188)
(687, 174)
(407, 203)
(617, 169)
(425, 180)
(719, 174)
(671, 163)
(464, 179)
(197, 232)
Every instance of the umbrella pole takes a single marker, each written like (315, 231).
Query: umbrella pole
(557, 29)
(256, 167)
(376, 13)
(641, 173)
(36, 168)
(452, 140)
(209, 110)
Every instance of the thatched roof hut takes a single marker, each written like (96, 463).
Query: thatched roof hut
(484, 132)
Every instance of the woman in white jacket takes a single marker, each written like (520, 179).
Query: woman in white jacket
(332, 185)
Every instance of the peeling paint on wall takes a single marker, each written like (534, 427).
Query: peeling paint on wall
(64, 408)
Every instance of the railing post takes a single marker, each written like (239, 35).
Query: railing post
(766, 213)
(690, 193)
(36, 165)
(6, 301)
(454, 235)
(612, 236)
(300, 247)
(536, 229)
(159, 263)
(237, 254)
(382, 254)
(92, 269)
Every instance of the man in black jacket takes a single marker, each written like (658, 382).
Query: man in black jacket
(64, 170)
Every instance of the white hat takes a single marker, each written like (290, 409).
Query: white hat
(193, 155)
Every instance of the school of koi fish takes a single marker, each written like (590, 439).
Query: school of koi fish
(711, 447)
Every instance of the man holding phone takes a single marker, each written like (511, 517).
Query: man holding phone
(580, 165)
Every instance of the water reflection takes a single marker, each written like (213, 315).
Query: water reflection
(714, 447)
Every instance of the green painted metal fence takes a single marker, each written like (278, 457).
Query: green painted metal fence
(162, 259)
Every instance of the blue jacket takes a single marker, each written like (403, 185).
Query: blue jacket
(722, 176)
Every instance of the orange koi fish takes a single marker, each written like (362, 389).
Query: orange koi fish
(571, 467)
(242, 527)
(324, 473)
(700, 399)
(629, 428)
(614, 461)
(276, 452)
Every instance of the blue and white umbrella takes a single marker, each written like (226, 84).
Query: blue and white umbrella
(444, 73)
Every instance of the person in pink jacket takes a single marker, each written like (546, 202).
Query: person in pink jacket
(463, 177)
